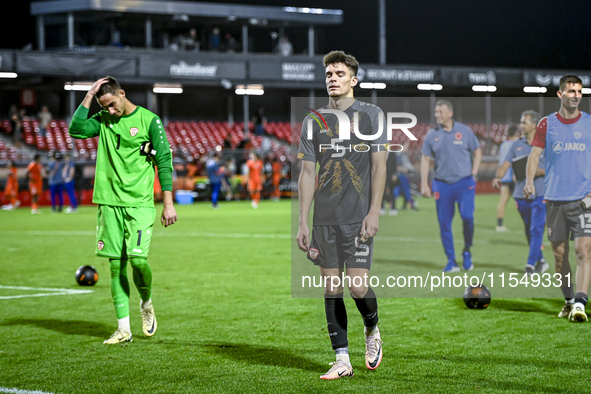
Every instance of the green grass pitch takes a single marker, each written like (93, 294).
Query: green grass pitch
(227, 322)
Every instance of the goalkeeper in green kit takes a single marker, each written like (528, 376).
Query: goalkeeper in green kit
(132, 141)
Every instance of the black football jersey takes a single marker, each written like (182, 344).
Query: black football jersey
(343, 192)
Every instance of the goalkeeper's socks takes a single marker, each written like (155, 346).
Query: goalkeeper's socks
(124, 324)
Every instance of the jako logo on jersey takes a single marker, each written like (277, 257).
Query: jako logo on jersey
(558, 146)
(133, 131)
(313, 253)
(100, 245)
(346, 125)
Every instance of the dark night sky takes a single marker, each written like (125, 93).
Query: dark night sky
(520, 33)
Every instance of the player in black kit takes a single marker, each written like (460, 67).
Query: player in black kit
(348, 198)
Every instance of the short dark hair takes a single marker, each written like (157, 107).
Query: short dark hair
(110, 87)
(569, 79)
(512, 131)
(447, 103)
(341, 57)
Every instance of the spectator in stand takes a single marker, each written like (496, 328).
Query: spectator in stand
(12, 116)
(214, 40)
(260, 121)
(191, 42)
(232, 44)
(16, 118)
(11, 189)
(228, 142)
(68, 172)
(284, 47)
(45, 118)
(35, 174)
(56, 182)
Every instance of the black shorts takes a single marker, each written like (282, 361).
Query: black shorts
(334, 246)
(511, 185)
(567, 219)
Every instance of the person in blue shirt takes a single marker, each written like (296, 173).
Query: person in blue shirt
(215, 174)
(565, 139)
(532, 210)
(506, 184)
(450, 146)
(56, 182)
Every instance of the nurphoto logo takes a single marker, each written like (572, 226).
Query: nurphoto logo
(346, 126)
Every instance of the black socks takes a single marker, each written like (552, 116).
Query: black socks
(368, 307)
(336, 319)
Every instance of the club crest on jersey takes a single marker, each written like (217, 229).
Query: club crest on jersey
(133, 131)
(578, 134)
(313, 253)
(100, 245)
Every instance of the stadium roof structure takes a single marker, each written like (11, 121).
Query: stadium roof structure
(149, 13)
(303, 15)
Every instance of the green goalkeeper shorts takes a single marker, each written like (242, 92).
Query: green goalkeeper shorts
(124, 231)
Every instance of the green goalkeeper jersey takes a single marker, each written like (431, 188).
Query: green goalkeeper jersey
(124, 177)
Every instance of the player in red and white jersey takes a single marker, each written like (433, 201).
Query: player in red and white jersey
(564, 137)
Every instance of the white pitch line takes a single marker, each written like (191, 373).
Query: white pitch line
(19, 391)
(75, 291)
(52, 292)
(44, 232)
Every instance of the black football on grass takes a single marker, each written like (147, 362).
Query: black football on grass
(86, 276)
(477, 297)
